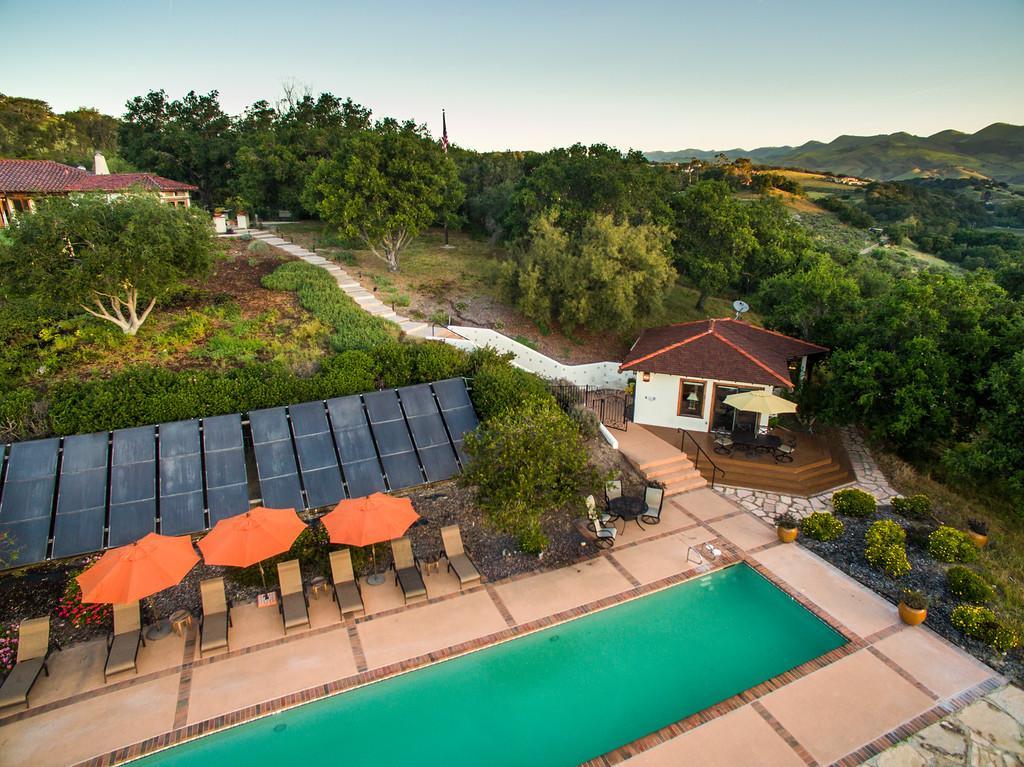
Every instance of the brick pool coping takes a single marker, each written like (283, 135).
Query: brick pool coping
(731, 555)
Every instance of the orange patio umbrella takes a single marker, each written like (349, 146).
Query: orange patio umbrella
(369, 520)
(138, 570)
(249, 538)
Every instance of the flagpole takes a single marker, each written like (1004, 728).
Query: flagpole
(444, 144)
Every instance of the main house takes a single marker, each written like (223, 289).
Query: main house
(684, 372)
(22, 182)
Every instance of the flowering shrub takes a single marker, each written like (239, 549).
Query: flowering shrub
(8, 646)
(74, 611)
(969, 586)
(947, 544)
(886, 548)
(981, 623)
(852, 502)
(822, 526)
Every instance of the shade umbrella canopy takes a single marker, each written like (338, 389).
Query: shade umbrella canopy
(372, 519)
(246, 539)
(760, 401)
(138, 570)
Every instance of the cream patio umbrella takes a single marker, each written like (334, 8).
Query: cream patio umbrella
(760, 401)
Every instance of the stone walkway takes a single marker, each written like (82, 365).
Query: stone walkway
(767, 505)
(363, 297)
(988, 733)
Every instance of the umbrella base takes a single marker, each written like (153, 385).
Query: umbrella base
(159, 630)
(375, 579)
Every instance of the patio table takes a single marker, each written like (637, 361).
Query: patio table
(756, 442)
(626, 507)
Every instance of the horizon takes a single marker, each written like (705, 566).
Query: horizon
(943, 67)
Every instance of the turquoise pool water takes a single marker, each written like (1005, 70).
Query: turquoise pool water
(557, 697)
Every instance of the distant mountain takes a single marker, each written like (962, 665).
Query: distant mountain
(995, 152)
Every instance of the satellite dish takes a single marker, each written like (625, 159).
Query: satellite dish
(740, 307)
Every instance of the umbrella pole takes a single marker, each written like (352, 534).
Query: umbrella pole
(263, 575)
(162, 626)
(375, 578)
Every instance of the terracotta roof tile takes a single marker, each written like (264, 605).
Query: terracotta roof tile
(118, 182)
(724, 349)
(53, 177)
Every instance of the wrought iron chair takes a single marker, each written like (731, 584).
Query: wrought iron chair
(784, 452)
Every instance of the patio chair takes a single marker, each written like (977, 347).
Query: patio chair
(723, 444)
(407, 571)
(603, 516)
(33, 652)
(124, 640)
(605, 535)
(294, 605)
(612, 490)
(346, 588)
(464, 568)
(784, 452)
(216, 617)
(654, 498)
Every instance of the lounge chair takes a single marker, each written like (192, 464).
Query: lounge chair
(124, 640)
(407, 571)
(605, 535)
(612, 490)
(654, 498)
(33, 651)
(464, 569)
(216, 617)
(294, 605)
(346, 587)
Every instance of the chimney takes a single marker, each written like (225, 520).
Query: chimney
(100, 165)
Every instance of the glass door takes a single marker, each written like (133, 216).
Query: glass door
(727, 418)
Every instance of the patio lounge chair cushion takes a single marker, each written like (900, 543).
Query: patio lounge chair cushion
(123, 653)
(412, 584)
(215, 632)
(349, 598)
(293, 607)
(654, 497)
(464, 568)
(19, 682)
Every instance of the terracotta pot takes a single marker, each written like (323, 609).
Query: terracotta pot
(912, 617)
(981, 541)
(787, 534)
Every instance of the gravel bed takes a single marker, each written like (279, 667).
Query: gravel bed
(927, 575)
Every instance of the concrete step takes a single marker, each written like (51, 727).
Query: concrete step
(684, 486)
(669, 467)
(412, 327)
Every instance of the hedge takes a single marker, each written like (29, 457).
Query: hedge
(886, 548)
(852, 502)
(822, 526)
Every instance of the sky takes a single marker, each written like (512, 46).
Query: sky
(636, 74)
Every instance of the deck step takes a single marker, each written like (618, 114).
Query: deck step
(669, 467)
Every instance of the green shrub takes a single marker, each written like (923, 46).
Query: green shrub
(947, 544)
(914, 599)
(971, 619)
(886, 549)
(394, 362)
(258, 247)
(351, 372)
(498, 386)
(913, 506)
(436, 361)
(822, 526)
(852, 502)
(1002, 637)
(15, 412)
(969, 586)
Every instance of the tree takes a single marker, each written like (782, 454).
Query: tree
(114, 260)
(801, 300)
(712, 237)
(526, 463)
(384, 186)
(612, 276)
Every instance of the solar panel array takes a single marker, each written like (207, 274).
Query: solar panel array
(83, 493)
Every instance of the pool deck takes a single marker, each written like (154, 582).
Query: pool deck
(845, 707)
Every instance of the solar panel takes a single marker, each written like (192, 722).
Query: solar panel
(397, 454)
(428, 432)
(227, 484)
(81, 495)
(27, 500)
(132, 485)
(181, 478)
(275, 459)
(318, 462)
(352, 435)
(457, 411)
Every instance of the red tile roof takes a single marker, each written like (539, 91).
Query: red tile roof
(52, 177)
(723, 349)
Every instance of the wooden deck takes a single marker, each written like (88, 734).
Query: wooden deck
(819, 463)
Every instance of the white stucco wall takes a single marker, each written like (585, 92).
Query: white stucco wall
(657, 402)
(604, 375)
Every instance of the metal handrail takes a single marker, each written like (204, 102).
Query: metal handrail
(700, 452)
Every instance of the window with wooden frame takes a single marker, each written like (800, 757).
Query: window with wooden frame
(691, 399)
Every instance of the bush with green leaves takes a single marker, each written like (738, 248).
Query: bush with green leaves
(947, 544)
(913, 506)
(436, 361)
(822, 526)
(15, 413)
(886, 548)
(969, 586)
(499, 387)
(319, 294)
(852, 502)
(527, 462)
(981, 623)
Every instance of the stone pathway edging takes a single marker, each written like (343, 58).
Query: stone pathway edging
(766, 505)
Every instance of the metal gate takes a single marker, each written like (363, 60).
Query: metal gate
(613, 407)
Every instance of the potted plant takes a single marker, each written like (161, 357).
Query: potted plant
(978, 530)
(787, 526)
(913, 607)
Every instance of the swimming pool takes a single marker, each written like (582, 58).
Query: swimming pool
(556, 697)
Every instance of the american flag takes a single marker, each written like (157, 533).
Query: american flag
(444, 133)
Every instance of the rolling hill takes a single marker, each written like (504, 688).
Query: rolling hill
(995, 152)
